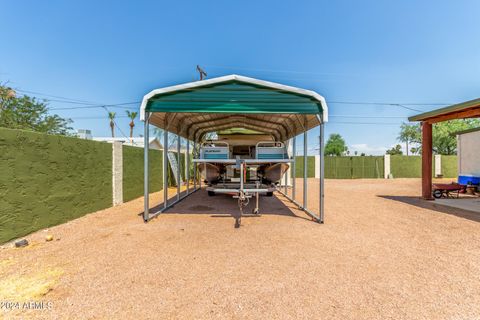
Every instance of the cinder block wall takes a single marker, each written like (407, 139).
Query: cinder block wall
(46, 180)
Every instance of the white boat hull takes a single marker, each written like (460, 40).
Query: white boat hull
(209, 172)
(274, 172)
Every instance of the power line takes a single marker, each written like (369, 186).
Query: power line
(368, 123)
(85, 104)
(95, 117)
(276, 71)
(390, 103)
(54, 96)
(367, 117)
(119, 105)
(92, 104)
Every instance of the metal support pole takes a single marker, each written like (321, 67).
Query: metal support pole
(242, 164)
(305, 169)
(322, 172)
(194, 167)
(146, 209)
(165, 168)
(178, 167)
(286, 177)
(294, 166)
(187, 167)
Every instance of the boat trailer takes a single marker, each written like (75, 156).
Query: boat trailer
(243, 190)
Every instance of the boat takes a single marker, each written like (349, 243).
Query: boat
(264, 159)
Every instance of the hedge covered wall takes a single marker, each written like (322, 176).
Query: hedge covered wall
(310, 167)
(450, 166)
(133, 172)
(46, 180)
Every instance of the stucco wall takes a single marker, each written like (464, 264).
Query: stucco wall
(46, 180)
(468, 147)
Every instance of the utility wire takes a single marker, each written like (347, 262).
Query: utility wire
(369, 123)
(121, 106)
(84, 103)
(366, 117)
(54, 96)
(95, 117)
(390, 103)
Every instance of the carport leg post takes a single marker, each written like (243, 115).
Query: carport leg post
(146, 208)
(178, 167)
(286, 177)
(322, 172)
(165, 168)
(294, 166)
(194, 167)
(187, 165)
(305, 169)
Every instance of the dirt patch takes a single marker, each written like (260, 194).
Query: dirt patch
(374, 258)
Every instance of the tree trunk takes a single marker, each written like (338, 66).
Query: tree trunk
(131, 130)
(112, 127)
(407, 147)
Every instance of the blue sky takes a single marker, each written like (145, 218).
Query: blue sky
(107, 52)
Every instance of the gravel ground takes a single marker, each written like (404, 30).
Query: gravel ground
(381, 254)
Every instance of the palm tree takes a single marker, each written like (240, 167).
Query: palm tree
(111, 116)
(132, 116)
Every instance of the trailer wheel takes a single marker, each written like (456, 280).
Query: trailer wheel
(437, 194)
(269, 194)
(211, 193)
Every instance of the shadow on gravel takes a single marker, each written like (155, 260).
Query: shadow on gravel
(222, 205)
(431, 205)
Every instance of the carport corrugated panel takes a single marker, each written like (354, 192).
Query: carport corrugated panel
(234, 97)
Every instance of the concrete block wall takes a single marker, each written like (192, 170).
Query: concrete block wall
(117, 173)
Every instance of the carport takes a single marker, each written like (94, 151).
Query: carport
(192, 110)
(464, 110)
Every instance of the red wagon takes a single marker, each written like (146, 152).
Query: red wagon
(446, 189)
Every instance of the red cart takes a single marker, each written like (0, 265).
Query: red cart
(446, 189)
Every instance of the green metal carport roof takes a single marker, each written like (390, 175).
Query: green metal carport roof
(193, 109)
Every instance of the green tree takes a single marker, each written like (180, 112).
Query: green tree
(27, 113)
(132, 116)
(408, 134)
(397, 150)
(111, 116)
(336, 145)
(443, 135)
